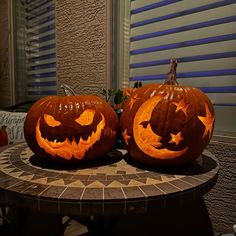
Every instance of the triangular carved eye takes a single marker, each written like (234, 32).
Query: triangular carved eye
(50, 120)
(86, 118)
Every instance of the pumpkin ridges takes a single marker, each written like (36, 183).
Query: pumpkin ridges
(66, 110)
(176, 128)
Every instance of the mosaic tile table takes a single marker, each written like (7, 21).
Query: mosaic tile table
(114, 187)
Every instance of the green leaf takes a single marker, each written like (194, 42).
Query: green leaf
(119, 97)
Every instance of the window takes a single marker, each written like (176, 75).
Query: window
(35, 58)
(201, 35)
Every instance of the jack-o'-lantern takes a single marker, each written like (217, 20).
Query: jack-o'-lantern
(71, 128)
(167, 124)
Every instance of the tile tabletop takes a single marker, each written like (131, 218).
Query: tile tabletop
(114, 186)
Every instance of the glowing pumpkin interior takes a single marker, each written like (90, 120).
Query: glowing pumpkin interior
(167, 123)
(67, 148)
(150, 142)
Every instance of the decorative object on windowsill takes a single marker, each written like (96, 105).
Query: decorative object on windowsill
(167, 124)
(119, 96)
(3, 136)
(71, 128)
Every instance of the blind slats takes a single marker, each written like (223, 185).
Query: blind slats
(211, 73)
(217, 47)
(185, 44)
(184, 28)
(184, 59)
(222, 80)
(179, 10)
(153, 6)
(184, 67)
(41, 30)
(40, 50)
(200, 34)
(42, 62)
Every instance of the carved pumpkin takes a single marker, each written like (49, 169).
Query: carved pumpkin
(71, 128)
(167, 124)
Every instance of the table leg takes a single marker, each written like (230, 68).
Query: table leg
(42, 224)
(97, 225)
(182, 219)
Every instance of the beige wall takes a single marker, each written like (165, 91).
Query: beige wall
(83, 29)
(5, 96)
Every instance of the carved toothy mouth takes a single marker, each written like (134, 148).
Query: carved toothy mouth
(68, 149)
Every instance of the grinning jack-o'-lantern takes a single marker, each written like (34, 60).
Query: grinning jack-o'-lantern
(167, 124)
(71, 128)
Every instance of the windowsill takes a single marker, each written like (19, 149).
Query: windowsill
(227, 137)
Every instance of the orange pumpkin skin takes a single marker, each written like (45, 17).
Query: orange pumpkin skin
(71, 128)
(167, 124)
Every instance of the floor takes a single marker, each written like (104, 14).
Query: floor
(73, 228)
(169, 225)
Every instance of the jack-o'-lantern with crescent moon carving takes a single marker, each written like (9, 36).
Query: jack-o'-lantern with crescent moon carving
(71, 128)
(167, 124)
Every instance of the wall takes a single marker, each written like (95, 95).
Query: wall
(5, 96)
(221, 200)
(83, 38)
(83, 31)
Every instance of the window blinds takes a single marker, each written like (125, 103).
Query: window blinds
(40, 47)
(200, 34)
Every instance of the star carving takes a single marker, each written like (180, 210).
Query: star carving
(126, 136)
(207, 121)
(181, 106)
(176, 138)
(133, 99)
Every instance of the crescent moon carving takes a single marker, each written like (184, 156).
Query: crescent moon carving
(145, 138)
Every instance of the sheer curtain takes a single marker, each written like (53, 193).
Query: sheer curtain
(35, 60)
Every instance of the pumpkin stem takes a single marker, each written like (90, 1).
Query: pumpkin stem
(171, 76)
(68, 90)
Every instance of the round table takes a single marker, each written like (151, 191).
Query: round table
(114, 186)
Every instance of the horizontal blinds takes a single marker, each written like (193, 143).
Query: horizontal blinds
(200, 34)
(40, 47)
